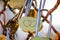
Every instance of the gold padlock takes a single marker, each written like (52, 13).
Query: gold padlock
(13, 25)
(32, 13)
(16, 3)
(2, 37)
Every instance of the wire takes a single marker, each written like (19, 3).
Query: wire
(43, 3)
(7, 33)
(39, 18)
(28, 7)
(39, 15)
(49, 30)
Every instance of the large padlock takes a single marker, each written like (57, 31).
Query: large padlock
(29, 23)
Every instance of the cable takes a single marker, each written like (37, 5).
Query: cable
(39, 15)
(7, 33)
(28, 7)
(49, 30)
(43, 3)
(39, 18)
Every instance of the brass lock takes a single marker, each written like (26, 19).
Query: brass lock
(16, 3)
(13, 25)
(2, 37)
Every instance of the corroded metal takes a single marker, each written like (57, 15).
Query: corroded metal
(50, 12)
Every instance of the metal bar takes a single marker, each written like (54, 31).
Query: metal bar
(22, 9)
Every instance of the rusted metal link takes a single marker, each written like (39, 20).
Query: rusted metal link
(53, 29)
(42, 15)
(53, 9)
(29, 35)
(50, 12)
